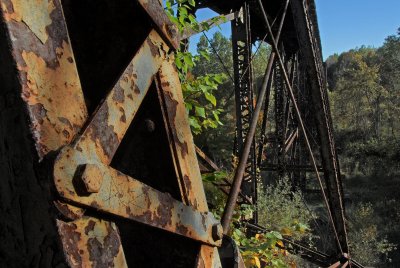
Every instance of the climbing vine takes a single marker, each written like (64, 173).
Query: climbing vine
(198, 91)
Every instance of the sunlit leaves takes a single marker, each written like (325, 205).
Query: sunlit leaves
(198, 92)
(201, 102)
(267, 249)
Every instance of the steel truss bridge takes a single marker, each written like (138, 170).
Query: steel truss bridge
(98, 164)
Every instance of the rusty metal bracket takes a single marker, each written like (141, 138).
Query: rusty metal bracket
(106, 189)
(81, 170)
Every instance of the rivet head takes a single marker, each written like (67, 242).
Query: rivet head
(149, 125)
(217, 232)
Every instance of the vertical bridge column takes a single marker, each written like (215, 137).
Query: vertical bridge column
(243, 76)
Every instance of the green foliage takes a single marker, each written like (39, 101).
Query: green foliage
(365, 102)
(365, 242)
(179, 13)
(201, 102)
(358, 98)
(281, 208)
(198, 91)
(218, 142)
(261, 250)
(216, 176)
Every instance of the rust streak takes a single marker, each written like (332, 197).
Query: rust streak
(70, 238)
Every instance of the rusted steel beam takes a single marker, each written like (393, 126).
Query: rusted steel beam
(180, 136)
(292, 137)
(207, 159)
(87, 240)
(184, 153)
(106, 189)
(102, 136)
(69, 211)
(307, 168)
(309, 46)
(280, 123)
(225, 186)
(263, 138)
(208, 24)
(47, 73)
(237, 181)
(335, 265)
(244, 95)
(165, 27)
(208, 257)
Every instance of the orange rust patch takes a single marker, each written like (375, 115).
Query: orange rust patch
(55, 98)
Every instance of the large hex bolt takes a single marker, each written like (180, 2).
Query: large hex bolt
(89, 179)
(217, 232)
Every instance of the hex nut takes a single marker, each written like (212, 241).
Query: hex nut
(217, 232)
(91, 179)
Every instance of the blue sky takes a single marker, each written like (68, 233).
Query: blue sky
(344, 24)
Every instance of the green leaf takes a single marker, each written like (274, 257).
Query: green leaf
(204, 54)
(203, 88)
(200, 111)
(188, 106)
(188, 60)
(218, 79)
(214, 176)
(194, 123)
(211, 98)
(178, 63)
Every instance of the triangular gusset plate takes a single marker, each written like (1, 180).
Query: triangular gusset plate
(84, 172)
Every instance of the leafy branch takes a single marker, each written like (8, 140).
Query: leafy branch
(198, 92)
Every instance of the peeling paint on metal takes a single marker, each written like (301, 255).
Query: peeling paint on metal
(177, 118)
(208, 258)
(47, 72)
(109, 124)
(46, 89)
(163, 24)
(70, 238)
(68, 211)
(90, 242)
(126, 197)
(35, 14)
(120, 194)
